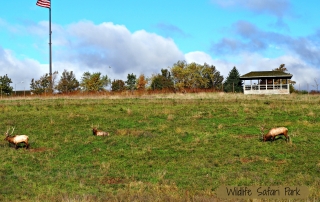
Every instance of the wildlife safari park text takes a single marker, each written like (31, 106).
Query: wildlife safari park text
(255, 192)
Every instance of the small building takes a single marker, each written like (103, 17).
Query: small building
(266, 82)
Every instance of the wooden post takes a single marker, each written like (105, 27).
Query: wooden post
(266, 84)
(273, 84)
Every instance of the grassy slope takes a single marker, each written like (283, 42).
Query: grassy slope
(161, 148)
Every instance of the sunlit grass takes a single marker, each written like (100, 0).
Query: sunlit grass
(176, 147)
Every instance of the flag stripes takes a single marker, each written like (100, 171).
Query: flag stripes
(44, 3)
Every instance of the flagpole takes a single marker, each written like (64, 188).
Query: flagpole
(50, 49)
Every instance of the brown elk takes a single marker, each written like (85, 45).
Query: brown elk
(97, 132)
(271, 135)
(17, 139)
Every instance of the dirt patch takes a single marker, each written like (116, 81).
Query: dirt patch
(112, 180)
(246, 160)
(281, 162)
(247, 136)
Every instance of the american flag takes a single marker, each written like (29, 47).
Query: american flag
(43, 3)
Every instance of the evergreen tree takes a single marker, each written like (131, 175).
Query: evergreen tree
(68, 82)
(233, 82)
(40, 86)
(162, 81)
(5, 81)
(131, 82)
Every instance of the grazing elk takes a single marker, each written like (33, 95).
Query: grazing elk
(17, 139)
(97, 132)
(271, 135)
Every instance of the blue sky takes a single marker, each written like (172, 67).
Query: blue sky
(143, 36)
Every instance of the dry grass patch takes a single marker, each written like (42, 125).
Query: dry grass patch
(179, 130)
(170, 117)
(311, 114)
(129, 111)
(132, 132)
(246, 110)
(245, 160)
(280, 162)
(42, 149)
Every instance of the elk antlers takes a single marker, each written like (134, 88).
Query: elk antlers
(7, 133)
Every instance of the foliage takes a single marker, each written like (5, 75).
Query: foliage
(94, 82)
(162, 81)
(180, 73)
(43, 85)
(233, 82)
(131, 82)
(172, 149)
(141, 82)
(214, 77)
(5, 85)
(302, 92)
(195, 76)
(282, 68)
(68, 82)
(117, 85)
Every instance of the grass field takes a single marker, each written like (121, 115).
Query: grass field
(162, 147)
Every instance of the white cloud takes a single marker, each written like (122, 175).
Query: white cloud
(96, 47)
(199, 57)
(20, 70)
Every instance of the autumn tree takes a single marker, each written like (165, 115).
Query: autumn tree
(141, 82)
(179, 74)
(43, 85)
(117, 85)
(68, 82)
(233, 82)
(195, 76)
(94, 82)
(5, 85)
(282, 68)
(214, 77)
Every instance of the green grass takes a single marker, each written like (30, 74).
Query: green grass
(161, 148)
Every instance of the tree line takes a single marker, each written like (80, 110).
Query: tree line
(178, 78)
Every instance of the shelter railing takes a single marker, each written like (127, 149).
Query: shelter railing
(266, 87)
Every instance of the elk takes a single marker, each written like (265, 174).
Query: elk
(271, 135)
(97, 132)
(17, 139)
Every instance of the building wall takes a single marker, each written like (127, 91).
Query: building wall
(275, 91)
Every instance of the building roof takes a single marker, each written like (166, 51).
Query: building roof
(265, 75)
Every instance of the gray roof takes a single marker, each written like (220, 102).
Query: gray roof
(266, 75)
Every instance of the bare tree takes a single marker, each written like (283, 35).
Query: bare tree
(317, 84)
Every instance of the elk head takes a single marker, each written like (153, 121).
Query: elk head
(7, 132)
